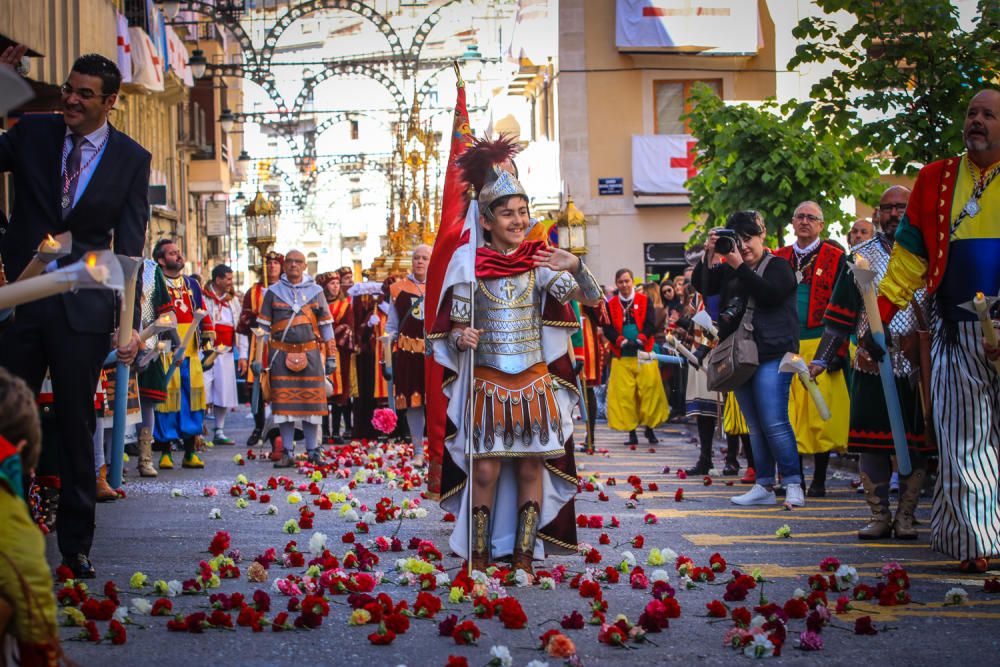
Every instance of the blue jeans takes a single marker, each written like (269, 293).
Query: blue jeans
(764, 402)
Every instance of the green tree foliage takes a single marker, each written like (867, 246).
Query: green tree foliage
(906, 70)
(762, 158)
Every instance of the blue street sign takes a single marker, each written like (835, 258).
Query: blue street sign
(610, 186)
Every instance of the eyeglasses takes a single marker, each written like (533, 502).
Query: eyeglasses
(807, 216)
(888, 208)
(82, 93)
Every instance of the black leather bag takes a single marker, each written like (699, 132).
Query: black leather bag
(735, 360)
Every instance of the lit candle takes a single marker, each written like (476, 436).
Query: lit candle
(50, 249)
(92, 272)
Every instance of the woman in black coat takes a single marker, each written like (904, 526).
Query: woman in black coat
(733, 270)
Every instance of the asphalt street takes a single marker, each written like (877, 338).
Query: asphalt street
(164, 527)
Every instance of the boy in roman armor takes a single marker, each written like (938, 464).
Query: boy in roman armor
(517, 324)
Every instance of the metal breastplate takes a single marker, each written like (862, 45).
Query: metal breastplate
(509, 318)
(904, 322)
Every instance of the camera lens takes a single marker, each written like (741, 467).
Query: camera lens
(724, 245)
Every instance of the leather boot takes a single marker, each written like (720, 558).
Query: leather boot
(480, 551)
(909, 496)
(145, 466)
(881, 523)
(104, 491)
(527, 532)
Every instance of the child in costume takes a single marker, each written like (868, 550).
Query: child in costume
(518, 323)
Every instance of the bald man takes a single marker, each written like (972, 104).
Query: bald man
(861, 231)
(949, 243)
(817, 263)
(298, 323)
(406, 327)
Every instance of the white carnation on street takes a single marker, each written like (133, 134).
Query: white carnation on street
(317, 543)
(174, 588)
(215, 513)
(955, 596)
(141, 606)
(501, 656)
(659, 575)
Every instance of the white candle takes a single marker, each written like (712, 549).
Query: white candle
(983, 311)
(33, 289)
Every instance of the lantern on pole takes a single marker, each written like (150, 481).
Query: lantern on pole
(262, 226)
(572, 229)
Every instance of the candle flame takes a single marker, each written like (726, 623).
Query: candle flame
(980, 296)
(91, 261)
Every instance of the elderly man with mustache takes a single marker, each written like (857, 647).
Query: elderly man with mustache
(949, 243)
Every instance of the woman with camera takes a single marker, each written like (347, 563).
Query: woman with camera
(739, 267)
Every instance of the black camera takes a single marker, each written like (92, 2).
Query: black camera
(731, 315)
(726, 242)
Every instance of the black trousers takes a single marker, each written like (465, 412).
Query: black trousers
(41, 338)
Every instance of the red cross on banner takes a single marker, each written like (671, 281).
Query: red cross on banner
(686, 162)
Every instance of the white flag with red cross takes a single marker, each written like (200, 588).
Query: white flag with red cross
(661, 163)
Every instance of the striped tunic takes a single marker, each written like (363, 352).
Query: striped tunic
(296, 395)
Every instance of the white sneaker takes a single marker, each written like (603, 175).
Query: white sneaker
(758, 495)
(794, 496)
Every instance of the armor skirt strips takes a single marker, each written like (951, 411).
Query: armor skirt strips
(965, 393)
(516, 414)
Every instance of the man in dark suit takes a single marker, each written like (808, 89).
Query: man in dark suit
(72, 172)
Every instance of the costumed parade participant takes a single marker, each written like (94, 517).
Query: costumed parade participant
(252, 301)
(635, 391)
(514, 332)
(817, 264)
(589, 352)
(405, 324)
(104, 402)
(870, 433)
(220, 379)
(297, 322)
(154, 302)
(366, 376)
(340, 379)
(701, 402)
(181, 416)
(949, 244)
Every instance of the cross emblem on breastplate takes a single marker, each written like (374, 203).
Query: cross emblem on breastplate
(508, 289)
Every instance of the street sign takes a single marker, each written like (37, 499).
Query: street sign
(610, 186)
(215, 218)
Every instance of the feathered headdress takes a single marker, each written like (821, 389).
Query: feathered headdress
(488, 166)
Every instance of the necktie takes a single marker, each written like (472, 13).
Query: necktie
(72, 173)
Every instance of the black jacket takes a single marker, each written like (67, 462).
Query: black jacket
(776, 320)
(111, 213)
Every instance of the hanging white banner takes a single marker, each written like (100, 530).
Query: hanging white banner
(704, 27)
(661, 163)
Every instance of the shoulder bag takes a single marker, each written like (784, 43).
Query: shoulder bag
(734, 360)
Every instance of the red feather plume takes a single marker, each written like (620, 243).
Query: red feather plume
(482, 155)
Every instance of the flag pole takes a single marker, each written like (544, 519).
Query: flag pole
(470, 412)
